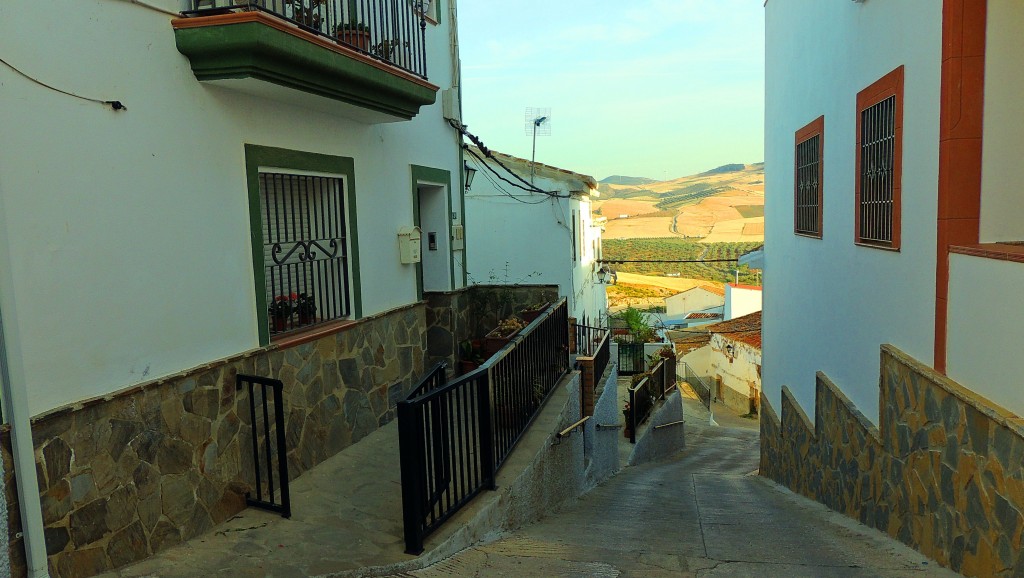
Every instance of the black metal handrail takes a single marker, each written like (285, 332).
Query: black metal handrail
(655, 386)
(269, 442)
(698, 383)
(602, 356)
(454, 438)
(588, 339)
(393, 31)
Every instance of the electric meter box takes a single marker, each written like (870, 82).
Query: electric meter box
(409, 244)
(458, 237)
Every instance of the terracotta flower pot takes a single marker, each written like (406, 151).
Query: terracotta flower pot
(359, 39)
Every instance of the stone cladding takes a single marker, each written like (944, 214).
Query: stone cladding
(127, 475)
(943, 472)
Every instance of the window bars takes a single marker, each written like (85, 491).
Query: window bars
(305, 252)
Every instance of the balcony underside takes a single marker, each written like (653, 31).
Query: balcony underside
(255, 53)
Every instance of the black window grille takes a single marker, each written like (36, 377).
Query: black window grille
(305, 251)
(808, 187)
(877, 152)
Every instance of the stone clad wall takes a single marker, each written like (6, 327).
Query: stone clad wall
(470, 313)
(143, 469)
(943, 473)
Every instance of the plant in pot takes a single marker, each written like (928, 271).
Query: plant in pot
(305, 306)
(502, 334)
(470, 355)
(354, 34)
(307, 12)
(279, 310)
(531, 312)
(628, 415)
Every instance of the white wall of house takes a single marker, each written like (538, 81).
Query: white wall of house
(739, 370)
(126, 253)
(741, 300)
(1002, 212)
(984, 338)
(695, 299)
(829, 304)
(530, 240)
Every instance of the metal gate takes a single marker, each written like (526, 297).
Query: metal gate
(631, 358)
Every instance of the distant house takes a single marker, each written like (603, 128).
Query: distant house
(694, 299)
(729, 355)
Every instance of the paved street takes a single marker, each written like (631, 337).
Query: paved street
(703, 514)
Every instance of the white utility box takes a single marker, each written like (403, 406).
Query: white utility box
(409, 244)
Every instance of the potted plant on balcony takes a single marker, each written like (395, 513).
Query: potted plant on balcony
(502, 334)
(354, 34)
(305, 306)
(279, 310)
(307, 12)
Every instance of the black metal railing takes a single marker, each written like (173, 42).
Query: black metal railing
(393, 31)
(654, 387)
(631, 357)
(454, 438)
(436, 377)
(272, 439)
(588, 339)
(699, 384)
(602, 356)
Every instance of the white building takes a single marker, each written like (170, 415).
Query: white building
(893, 218)
(564, 241)
(741, 300)
(729, 357)
(696, 298)
(164, 181)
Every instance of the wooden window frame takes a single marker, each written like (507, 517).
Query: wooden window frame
(890, 85)
(815, 128)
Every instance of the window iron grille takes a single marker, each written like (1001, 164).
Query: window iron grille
(305, 250)
(808, 187)
(877, 153)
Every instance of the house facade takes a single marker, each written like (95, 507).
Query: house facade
(741, 300)
(728, 355)
(894, 224)
(557, 225)
(190, 192)
(694, 299)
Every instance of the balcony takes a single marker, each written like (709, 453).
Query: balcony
(363, 59)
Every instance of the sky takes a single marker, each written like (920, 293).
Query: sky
(649, 88)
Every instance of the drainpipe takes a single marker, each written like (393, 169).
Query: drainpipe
(15, 405)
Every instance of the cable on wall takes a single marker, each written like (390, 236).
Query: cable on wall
(113, 104)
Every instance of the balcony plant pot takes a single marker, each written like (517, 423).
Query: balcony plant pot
(279, 324)
(354, 35)
(466, 366)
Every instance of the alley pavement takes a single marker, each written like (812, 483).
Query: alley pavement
(703, 514)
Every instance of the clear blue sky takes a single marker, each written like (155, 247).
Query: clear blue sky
(652, 88)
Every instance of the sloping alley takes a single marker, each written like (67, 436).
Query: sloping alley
(704, 514)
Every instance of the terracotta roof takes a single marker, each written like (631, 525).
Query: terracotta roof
(717, 290)
(746, 329)
(689, 341)
(703, 315)
(738, 286)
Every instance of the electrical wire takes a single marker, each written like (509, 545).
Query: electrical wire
(504, 191)
(114, 104)
(488, 167)
(457, 125)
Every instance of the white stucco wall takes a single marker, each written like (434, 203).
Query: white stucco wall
(738, 371)
(127, 252)
(530, 241)
(829, 304)
(695, 299)
(1002, 209)
(986, 328)
(740, 301)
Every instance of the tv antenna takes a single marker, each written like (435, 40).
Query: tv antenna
(537, 122)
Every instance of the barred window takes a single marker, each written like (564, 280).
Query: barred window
(807, 195)
(305, 252)
(879, 161)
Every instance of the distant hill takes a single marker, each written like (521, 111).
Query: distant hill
(624, 180)
(724, 169)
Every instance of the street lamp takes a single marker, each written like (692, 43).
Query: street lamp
(470, 173)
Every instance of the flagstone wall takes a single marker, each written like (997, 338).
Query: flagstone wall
(943, 472)
(127, 475)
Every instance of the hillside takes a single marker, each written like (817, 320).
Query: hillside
(724, 204)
